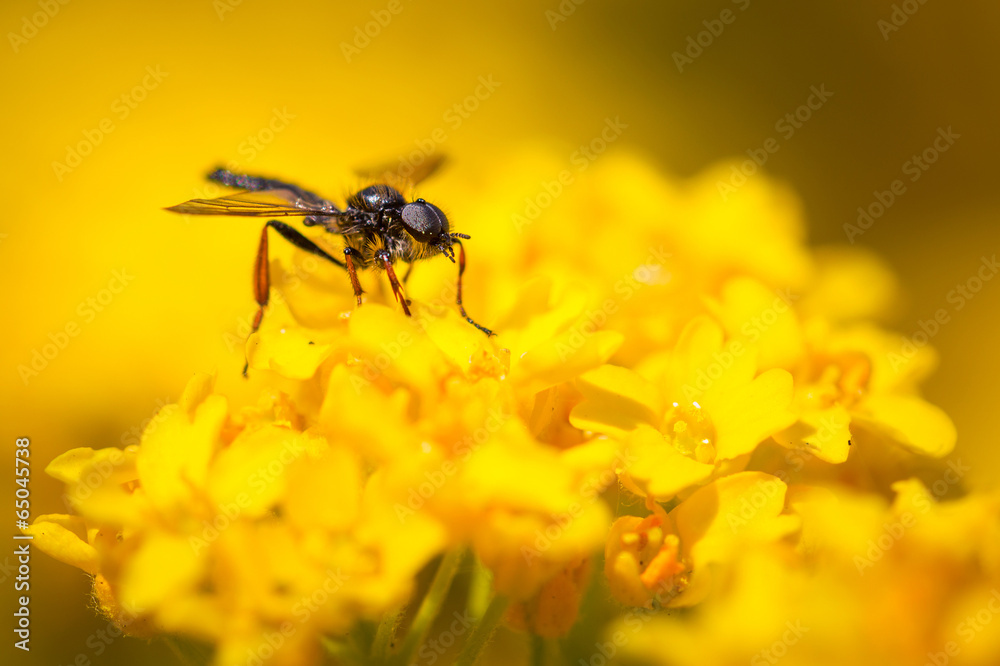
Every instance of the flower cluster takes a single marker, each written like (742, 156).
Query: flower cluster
(681, 394)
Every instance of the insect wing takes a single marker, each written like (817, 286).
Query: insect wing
(266, 203)
(403, 175)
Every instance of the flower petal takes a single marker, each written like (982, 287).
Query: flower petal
(57, 536)
(616, 400)
(749, 414)
(251, 473)
(825, 433)
(173, 458)
(715, 519)
(912, 422)
(655, 467)
(290, 351)
(164, 566)
(76, 465)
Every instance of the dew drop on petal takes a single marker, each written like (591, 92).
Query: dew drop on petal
(689, 430)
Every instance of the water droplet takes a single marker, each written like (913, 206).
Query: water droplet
(689, 430)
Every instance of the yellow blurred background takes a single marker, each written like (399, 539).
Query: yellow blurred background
(117, 109)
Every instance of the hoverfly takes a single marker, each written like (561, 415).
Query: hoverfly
(379, 227)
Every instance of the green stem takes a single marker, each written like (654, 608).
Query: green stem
(480, 589)
(537, 650)
(187, 652)
(483, 631)
(343, 651)
(384, 635)
(429, 607)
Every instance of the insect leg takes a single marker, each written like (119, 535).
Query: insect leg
(396, 289)
(262, 272)
(349, 254)
(458, 290)
(261, 286)
(295, 237)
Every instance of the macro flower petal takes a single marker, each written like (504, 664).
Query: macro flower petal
(173, 459)
(718, 519)
(658, 469)
(63, 537)
(912, 422)
(163, 566)
(615, 401)
(824, 433)
(749, 414)
(291, 351)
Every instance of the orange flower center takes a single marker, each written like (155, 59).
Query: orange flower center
(840, 379)
(657, 553)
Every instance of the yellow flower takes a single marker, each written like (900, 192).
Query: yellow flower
(185, 531)
(536, 510)
(652, 352)
(451, 443)
(704, 416)
(667, 557)
(848, 382)
(553, 610)
(845, 375)
(914, 582)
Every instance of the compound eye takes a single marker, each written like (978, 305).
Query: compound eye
(424, 221)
